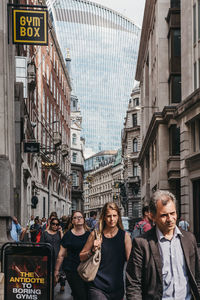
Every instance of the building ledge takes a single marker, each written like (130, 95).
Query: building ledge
(193, 161)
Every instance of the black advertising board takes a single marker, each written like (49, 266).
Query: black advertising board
(30, 26)
(31, 147)
(28, 271)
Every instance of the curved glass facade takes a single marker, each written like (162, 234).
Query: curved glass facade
(103, 48)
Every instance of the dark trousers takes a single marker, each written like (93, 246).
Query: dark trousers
(97, 294)
(78, 286)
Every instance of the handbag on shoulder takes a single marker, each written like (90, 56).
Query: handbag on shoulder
(88, 269)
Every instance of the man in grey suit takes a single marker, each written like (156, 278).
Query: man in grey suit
(164, 262)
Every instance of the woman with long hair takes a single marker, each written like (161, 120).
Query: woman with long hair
(53, 235)
(115, 246)
(71, 246)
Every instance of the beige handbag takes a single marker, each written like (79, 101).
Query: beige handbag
(88, 269)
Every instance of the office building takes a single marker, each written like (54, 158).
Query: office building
(103, 48)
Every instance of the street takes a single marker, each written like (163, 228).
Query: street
(66, 295)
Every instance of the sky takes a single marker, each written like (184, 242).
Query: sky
(132, 9)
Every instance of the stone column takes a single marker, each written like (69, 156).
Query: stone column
(7, 131)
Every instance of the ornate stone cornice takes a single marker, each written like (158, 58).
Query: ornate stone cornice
(157, 119)
(146, 29)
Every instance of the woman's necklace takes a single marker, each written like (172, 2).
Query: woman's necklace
(78, 232)
(110, 234)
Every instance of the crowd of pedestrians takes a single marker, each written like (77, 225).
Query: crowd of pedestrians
(159, 259)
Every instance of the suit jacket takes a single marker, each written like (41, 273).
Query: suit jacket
(144, 268)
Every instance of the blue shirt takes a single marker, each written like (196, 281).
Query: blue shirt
(15, 231)
(174, 273)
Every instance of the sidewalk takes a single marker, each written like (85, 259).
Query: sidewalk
(66, 295)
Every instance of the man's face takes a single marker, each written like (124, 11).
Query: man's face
(165, 217)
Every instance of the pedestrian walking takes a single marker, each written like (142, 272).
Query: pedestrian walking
(144, 225)
(164, 262)
(53, 236)
(72, 243)
(183, 224)
(91, 221)
(16, 230)
(53, 214)
(115, 250)
(35, 230)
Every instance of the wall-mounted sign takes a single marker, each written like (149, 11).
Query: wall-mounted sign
(30, 26)
(31, 147)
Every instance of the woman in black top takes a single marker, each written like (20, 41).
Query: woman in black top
(71, 245)
(53, 235)
(115, 250)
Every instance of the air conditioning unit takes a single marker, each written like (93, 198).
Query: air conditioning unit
(64, 150)
(57, 140)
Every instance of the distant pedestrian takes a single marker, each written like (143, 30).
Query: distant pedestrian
(53, 236)
(144, 225)
(16, 230)
(164, 262)
(71, 245)
(44, 221)
(30, 222)
(115, 250)
(35, 229)
(91, 221)
(183, 224)
(53, 214)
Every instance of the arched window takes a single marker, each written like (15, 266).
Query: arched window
(135, 145)
(74, 139)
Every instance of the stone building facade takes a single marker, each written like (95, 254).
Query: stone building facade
(159, 73)
(188, 114)
(131, 145)
(168, 71)
(77, 157)
(43, 116)
(101, 184)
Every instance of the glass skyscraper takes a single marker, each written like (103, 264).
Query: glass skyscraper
(103, 47)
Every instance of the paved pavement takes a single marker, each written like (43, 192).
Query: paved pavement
(66, 295)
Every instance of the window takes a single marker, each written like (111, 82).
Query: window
(51, 83)
(135, 169)
(194, 24)
(174, 143)
(154, 154)
(74, 179)
(135, 145)
(135, 209)
(136, 102)
(175, 4)
(134, 119)
(193, 137)
(175, 86)
(43, 65)
(47, 117)
(74, 139)
(43, 104)
(47, 74)
(199, 19)
(176, 43)
(195, 75)
(74, 157)
(54, 90)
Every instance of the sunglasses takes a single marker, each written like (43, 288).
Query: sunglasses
(55, 224)
(77, 218)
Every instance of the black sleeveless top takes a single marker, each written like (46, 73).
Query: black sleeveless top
(109, 277)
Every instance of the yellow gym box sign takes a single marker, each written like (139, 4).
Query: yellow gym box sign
(30, 26)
